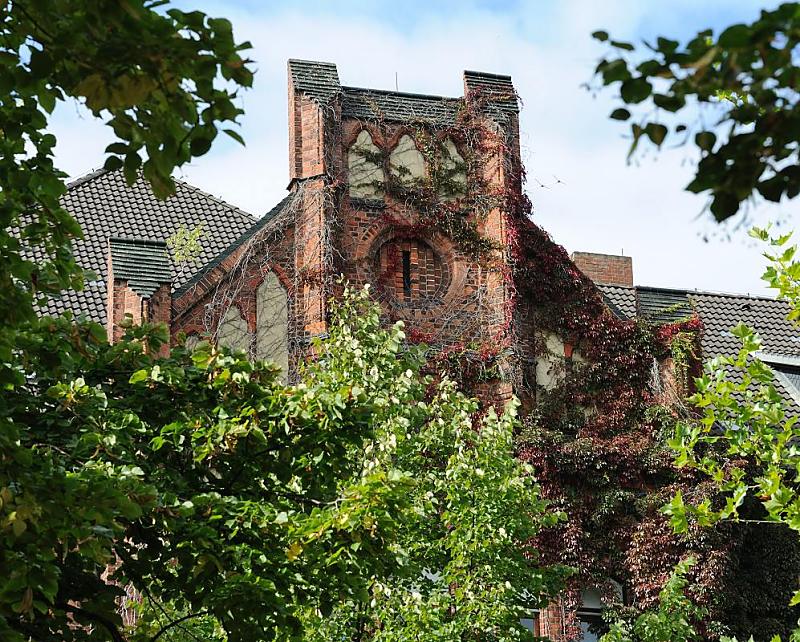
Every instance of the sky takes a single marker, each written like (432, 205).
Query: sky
(583, 191)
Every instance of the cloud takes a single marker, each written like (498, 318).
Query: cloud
(600, 204)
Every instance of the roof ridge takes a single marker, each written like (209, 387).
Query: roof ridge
(738, 295)
(95, 173)
(313, 62)
(486, 74)
(214, 198)
(392, 92)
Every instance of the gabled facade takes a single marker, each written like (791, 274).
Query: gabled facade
(421, 197)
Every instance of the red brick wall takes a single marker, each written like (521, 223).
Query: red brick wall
(318, 144)
(605, 268)
(234, 281)
(551, 623)
(317, 157)
(454, 315)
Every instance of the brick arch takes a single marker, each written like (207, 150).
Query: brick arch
(394, 134)
(350, 134)
(282, 275)
(380, 233)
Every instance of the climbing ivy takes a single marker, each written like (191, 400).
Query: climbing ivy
(598, 438)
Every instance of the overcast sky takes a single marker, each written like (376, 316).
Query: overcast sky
(583, 191)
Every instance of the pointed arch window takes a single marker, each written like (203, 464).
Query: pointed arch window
(365, 170)
(272, 322)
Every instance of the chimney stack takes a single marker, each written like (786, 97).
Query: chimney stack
(139, 284)
(607, 269)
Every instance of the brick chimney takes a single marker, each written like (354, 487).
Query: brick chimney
(314, 137)
(139, 284)
(313, 111)
(608, 269)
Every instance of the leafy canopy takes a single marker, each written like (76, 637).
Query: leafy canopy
(200, 480)
(741, 88)
(165, 82)
(672, 619)
(745, 437)
(471, 572)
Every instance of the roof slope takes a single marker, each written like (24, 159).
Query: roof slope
(719, 313)
(249, 233)
(105, 207)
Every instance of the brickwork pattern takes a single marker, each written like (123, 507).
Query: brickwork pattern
(411, 272)
(605, 268)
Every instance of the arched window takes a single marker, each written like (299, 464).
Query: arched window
(411, 272)
(365, 171)
(191, 342)
(452, 179)
(406, 162)
(232, 331)
(272, 322)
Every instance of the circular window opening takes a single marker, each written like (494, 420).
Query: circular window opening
(411, 272)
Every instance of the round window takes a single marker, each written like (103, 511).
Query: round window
(410, 272)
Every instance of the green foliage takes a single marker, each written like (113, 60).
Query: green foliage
(745, 438)
(674, 618)
(185, 244)
(165, 81)
(744, 419)
(745, 78)
(783, 270)
(470, 572)
(200, 480)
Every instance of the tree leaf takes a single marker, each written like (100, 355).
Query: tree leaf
(635, 90)
(735, 36)
(656, 132)
(705, 140)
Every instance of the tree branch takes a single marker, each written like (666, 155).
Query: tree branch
(167, 627)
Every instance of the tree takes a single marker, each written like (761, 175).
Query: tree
(165, 81)
(471, 571)
(673, 619)
(744, 421)
(199, 480)
(740, 87)
(743, 438)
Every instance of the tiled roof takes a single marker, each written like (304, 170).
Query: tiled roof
(394, 106)
(719, 314)
(621, 300)
(659, 305)
(247, 235)
(143, 264)
(105, 207)
(319, 80)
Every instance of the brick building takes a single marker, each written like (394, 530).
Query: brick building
(413, 194)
